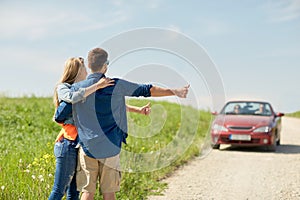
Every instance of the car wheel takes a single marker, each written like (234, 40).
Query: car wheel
(278, 142)
(278, 139)
(215, 146)
(271, 148)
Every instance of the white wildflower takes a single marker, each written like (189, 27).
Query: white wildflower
(41, 178)
(2, 187)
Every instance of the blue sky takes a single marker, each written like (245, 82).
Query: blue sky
(254, 44)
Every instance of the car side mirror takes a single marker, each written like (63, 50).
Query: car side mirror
(214, 113)
(279, 114)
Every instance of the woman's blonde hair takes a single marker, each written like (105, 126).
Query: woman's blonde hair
(71, 71)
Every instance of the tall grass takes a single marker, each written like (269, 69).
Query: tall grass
(294, 114)
(26, 158)
(27, 163)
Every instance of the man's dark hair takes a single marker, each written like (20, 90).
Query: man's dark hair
(96, 59)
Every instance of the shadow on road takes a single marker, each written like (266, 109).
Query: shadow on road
(288, 149)
(281, 149)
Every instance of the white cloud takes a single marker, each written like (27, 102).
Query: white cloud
(117, 2)
(114, 18)
(33, 71)
(213, 27)
(154, 4)
(282, 10)
(287, 52)
(24, 58)
(17, 22)
(174, 27)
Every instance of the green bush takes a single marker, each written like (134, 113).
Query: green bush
(28, 133)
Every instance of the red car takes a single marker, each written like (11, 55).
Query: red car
(247, 123)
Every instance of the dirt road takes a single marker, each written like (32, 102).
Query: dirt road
(242, 173)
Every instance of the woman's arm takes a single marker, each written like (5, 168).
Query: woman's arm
(102, 83)
(65, 94)
(144, 110)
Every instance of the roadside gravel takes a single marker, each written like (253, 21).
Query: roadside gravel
(242, 173)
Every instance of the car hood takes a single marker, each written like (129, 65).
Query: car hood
(243, 120)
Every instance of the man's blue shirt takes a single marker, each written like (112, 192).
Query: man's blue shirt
(101, 119)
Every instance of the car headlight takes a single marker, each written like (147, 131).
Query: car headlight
(218, 128)
(263, 129)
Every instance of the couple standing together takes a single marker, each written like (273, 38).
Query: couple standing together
(94, 126)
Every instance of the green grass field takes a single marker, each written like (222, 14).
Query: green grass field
(157, 144)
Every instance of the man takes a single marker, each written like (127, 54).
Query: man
(261, 109)
(102, 126)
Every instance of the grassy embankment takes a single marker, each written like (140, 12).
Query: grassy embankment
(157, 144)
(295, 114)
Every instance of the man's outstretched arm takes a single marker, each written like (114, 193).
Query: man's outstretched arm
(161, 92)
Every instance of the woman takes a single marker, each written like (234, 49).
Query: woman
(65, 148)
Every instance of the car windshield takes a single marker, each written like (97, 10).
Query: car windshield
(247, 108)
